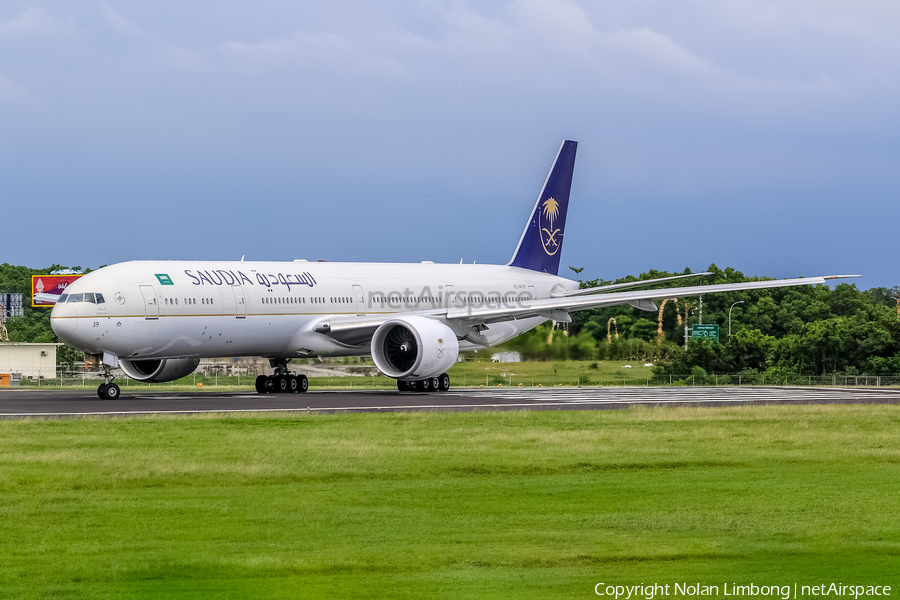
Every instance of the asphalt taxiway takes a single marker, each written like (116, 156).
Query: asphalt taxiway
(42, 403)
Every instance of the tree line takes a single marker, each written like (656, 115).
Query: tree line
(804, 330)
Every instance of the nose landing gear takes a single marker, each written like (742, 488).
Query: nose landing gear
(282, 382)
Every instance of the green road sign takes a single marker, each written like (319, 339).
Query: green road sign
(709, 332)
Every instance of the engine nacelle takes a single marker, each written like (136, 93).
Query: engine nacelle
(159, 370)
(414, 347)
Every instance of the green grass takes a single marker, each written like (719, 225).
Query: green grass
(550, 373)
(452, 505)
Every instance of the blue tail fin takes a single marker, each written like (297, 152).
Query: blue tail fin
(541, 242)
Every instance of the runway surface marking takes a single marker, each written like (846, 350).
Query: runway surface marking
(25, 403)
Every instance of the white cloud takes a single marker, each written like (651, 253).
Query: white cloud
(657, 51)
(120, 23)
(563, 22)
(34, 22)
(184, 59)
(311, 50)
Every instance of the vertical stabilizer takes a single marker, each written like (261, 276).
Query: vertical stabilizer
(541, 242)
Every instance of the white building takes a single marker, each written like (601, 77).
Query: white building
(28, 360)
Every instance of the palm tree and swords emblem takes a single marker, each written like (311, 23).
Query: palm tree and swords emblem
(550, 211)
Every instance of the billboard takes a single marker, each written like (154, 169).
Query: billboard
(49, 284)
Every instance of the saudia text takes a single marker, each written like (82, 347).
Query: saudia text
(229, 277)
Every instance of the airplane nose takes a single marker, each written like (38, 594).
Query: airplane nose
(64, 323)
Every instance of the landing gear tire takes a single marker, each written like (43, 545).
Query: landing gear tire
(402, 385)
(444, 384)
(109, 391)
(435, 384)
(423, 385)
(302, 384)
(293, 384)
(261, 384)
(281, 384)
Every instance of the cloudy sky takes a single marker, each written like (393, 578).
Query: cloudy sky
(762, 135)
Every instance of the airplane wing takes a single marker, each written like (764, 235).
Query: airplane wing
(558, 308)
(358, 330)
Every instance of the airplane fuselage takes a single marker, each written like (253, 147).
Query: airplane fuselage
(196, 309)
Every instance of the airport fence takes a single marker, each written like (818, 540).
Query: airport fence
(90, 379)
(763, 379)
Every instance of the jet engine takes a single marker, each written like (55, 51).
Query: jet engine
(159, 370)
(414, 347)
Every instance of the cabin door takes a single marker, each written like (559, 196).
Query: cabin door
(151, 305)
(360, 300)
(240, 305)
(450, 295)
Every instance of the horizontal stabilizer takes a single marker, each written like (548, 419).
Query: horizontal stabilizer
(629, 284)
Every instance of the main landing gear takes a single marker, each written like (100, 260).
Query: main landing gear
(108, 390)
(440, 383)
(282, 382)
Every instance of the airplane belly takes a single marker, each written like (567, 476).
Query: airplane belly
(217, 336)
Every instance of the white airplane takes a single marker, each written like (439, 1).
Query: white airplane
(156, 319)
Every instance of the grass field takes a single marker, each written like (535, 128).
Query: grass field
(450, 505)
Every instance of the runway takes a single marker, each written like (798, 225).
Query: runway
(38, 403)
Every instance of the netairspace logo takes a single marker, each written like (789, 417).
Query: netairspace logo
(785, 592)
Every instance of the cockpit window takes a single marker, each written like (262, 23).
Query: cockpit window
(95, 298)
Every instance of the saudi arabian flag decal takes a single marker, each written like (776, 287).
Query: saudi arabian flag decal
(164, 279)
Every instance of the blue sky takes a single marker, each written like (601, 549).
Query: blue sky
(761, 135)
